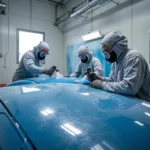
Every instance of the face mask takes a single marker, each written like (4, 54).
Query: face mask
(83, 58)
(84, 61)
(111, 57)
(41, 55)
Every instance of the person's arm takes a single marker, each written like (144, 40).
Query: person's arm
(97, 68)
(28, 61)
(110, 78)
(77, 72)
(132, 81)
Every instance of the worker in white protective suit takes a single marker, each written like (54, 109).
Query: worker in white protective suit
(130, 72)
(31, 63)
(87, 61)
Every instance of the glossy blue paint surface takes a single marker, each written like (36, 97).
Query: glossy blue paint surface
(11, 136)
(50, 80)
(21, 82)
(77, 117)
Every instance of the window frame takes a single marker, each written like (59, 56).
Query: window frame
(17, 41)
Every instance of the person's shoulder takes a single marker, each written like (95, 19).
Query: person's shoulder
(80, 63)
(95, 59)
(29, 54)
(133, 53)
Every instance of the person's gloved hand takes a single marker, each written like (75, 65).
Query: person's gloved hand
(48, 72)
(67, 76)
(93, 76)
(54, 68)
(97, 84)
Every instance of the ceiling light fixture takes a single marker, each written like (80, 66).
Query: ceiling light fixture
(2, 5)
(92, 36)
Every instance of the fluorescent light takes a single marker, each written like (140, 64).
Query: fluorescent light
(47, 112)
(97, 147)
(108, 146)
(2, 5)
(71, 129)
(85, 94)
(139, 123)
(44, 113)
(92, 35)
(29, 89)
(148, 114)
(67, 130)
(146, 105)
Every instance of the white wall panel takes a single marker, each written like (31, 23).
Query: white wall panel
(43, 16)
(134, 22)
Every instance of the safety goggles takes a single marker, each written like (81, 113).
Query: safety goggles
(83, 57)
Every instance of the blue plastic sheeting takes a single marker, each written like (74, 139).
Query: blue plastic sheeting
(95, 46)
(50, 80)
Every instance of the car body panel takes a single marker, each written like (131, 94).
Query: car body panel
(66, 116)
(49, 80)
(22, 82)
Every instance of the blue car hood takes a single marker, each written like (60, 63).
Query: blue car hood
(77, 117)
(49, 80)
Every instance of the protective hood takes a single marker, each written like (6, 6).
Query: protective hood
(36, 50)
(39, 47)
(117, 42)
(84, 50)
(43, 45)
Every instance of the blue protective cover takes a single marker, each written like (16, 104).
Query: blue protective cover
(76, 117)
(49, 80)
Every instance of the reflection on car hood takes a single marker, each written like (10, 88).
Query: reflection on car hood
(77, 117)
